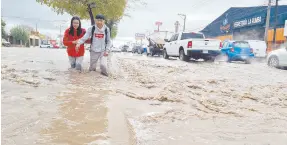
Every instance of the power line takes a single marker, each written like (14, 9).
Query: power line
(203, 1)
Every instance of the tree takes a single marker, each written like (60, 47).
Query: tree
(113, 10)
(29, 29)
(3, 32)
(20, 33)
(114, 31)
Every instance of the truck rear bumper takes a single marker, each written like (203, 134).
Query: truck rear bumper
(197, 54)
(156, 50)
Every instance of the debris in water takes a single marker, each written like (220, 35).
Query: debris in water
(249, 96)
(50, 79)
(194, 87)
(28, 98)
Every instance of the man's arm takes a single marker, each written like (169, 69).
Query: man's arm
(85, 37)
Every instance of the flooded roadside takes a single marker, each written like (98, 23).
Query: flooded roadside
(145, 101)
(204, 103)
(54, 105)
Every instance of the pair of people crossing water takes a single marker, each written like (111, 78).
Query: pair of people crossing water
(97, 35)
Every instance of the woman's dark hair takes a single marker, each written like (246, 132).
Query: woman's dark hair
(79, 30)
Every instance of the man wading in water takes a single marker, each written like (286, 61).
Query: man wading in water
(100, 43)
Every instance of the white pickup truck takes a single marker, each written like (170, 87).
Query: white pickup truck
(188, 45)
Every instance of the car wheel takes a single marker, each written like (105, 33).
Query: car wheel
(182, 56)
(273, 62)
(247, 61)
(48, 47)
(165, 55)
(152, 53)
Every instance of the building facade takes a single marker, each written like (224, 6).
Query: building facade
(247, 23)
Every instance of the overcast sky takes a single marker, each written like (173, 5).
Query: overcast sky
(143, 17)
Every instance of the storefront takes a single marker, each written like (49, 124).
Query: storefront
(249, 28)
(247, 23)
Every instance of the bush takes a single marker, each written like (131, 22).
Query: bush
(20, 33)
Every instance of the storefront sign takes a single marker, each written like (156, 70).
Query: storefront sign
(158, 23)
(247, 22)
(139, 36)
(225, 27)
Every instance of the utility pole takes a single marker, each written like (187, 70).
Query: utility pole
(184, 20)
(184, 23)
(267, 22)
(275, 25)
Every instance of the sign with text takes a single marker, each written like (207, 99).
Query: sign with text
(248, 22)
(158, 23)
(139, 36)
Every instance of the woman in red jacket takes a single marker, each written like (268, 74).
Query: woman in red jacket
(70, 39)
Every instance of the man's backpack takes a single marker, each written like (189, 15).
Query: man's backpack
(106, 34)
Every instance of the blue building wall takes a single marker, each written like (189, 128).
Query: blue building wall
(247, 18)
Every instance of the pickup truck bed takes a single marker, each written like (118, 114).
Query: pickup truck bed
(192, 45)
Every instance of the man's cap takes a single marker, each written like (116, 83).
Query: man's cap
(100, 16)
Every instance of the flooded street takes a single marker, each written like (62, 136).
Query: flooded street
(145, 101)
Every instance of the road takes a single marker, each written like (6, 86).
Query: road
(145, 101)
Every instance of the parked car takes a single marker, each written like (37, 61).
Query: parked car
(115, 49)
(46, 46)
(187, 45)
(5, 43)
(129, 49)
(137, 49)
(259, 47)
(278, 58)
(56, 46)
(237, 51)
(125, 48)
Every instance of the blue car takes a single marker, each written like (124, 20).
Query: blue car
(237, 51)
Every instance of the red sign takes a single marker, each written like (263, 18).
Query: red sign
(99, 35)
(158, 23)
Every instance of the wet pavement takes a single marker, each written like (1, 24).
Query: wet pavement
(145, 101)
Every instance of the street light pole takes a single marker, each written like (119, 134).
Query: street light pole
(184, 23)
(184, 20)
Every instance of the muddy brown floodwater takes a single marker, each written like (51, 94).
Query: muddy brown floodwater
(145, 101)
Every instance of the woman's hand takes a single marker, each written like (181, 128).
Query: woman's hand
(106, 53)
(77, 47)
(75, 42)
